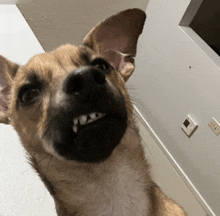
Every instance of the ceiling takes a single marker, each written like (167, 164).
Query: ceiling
(56, 22)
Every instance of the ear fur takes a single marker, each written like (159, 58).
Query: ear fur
(116, 39)
(8, 70)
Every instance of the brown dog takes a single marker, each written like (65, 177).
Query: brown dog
(74, 117)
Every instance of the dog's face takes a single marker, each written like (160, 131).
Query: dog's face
(72, 103)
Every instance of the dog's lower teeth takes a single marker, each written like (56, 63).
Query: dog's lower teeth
(86, 119)
(75, 128)
(75, 121)
(83, 119)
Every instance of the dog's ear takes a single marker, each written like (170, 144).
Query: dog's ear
(116, 39)
(8, 70)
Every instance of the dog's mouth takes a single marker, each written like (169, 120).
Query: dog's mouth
(90, 138)
(83, 121)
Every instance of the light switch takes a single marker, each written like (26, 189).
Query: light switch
(189, 126)
(215, 126)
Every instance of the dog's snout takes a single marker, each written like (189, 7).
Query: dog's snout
(83, 78)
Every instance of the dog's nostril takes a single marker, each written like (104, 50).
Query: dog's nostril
(99, 77)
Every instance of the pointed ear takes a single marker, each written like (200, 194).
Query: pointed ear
(116, 39)
(8, 70)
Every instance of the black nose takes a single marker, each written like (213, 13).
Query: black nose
(85, 78)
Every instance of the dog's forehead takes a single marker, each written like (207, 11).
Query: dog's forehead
(64, 56)
(73, 55)
(63, 59)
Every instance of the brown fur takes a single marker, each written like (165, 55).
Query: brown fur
(119, 185)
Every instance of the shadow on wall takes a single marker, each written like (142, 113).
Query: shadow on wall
(55, 23)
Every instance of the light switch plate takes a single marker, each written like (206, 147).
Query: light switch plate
(215, 126)
(189, 126)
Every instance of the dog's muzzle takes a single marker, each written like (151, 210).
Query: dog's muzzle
(90, 118)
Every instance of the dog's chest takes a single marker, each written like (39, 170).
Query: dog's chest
(123, 203)
(122, 195)
(112, 202)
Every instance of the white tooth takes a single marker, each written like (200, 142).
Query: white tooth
(83, 119)
(75, 121)
(92, 115)
(75, 129)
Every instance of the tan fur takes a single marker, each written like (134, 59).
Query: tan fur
(119, 186)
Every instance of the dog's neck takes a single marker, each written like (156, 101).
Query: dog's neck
(114, 187)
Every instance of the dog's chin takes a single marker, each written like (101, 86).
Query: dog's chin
(91, 143)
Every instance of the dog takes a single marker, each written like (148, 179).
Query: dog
(74, 117)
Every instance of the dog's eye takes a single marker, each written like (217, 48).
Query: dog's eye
(28, 94)
(101, 64)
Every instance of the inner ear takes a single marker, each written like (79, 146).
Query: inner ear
(119, 32)
(121, 62)
(8, 71)
(116, 39)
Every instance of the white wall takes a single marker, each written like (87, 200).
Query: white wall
(176, 75)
